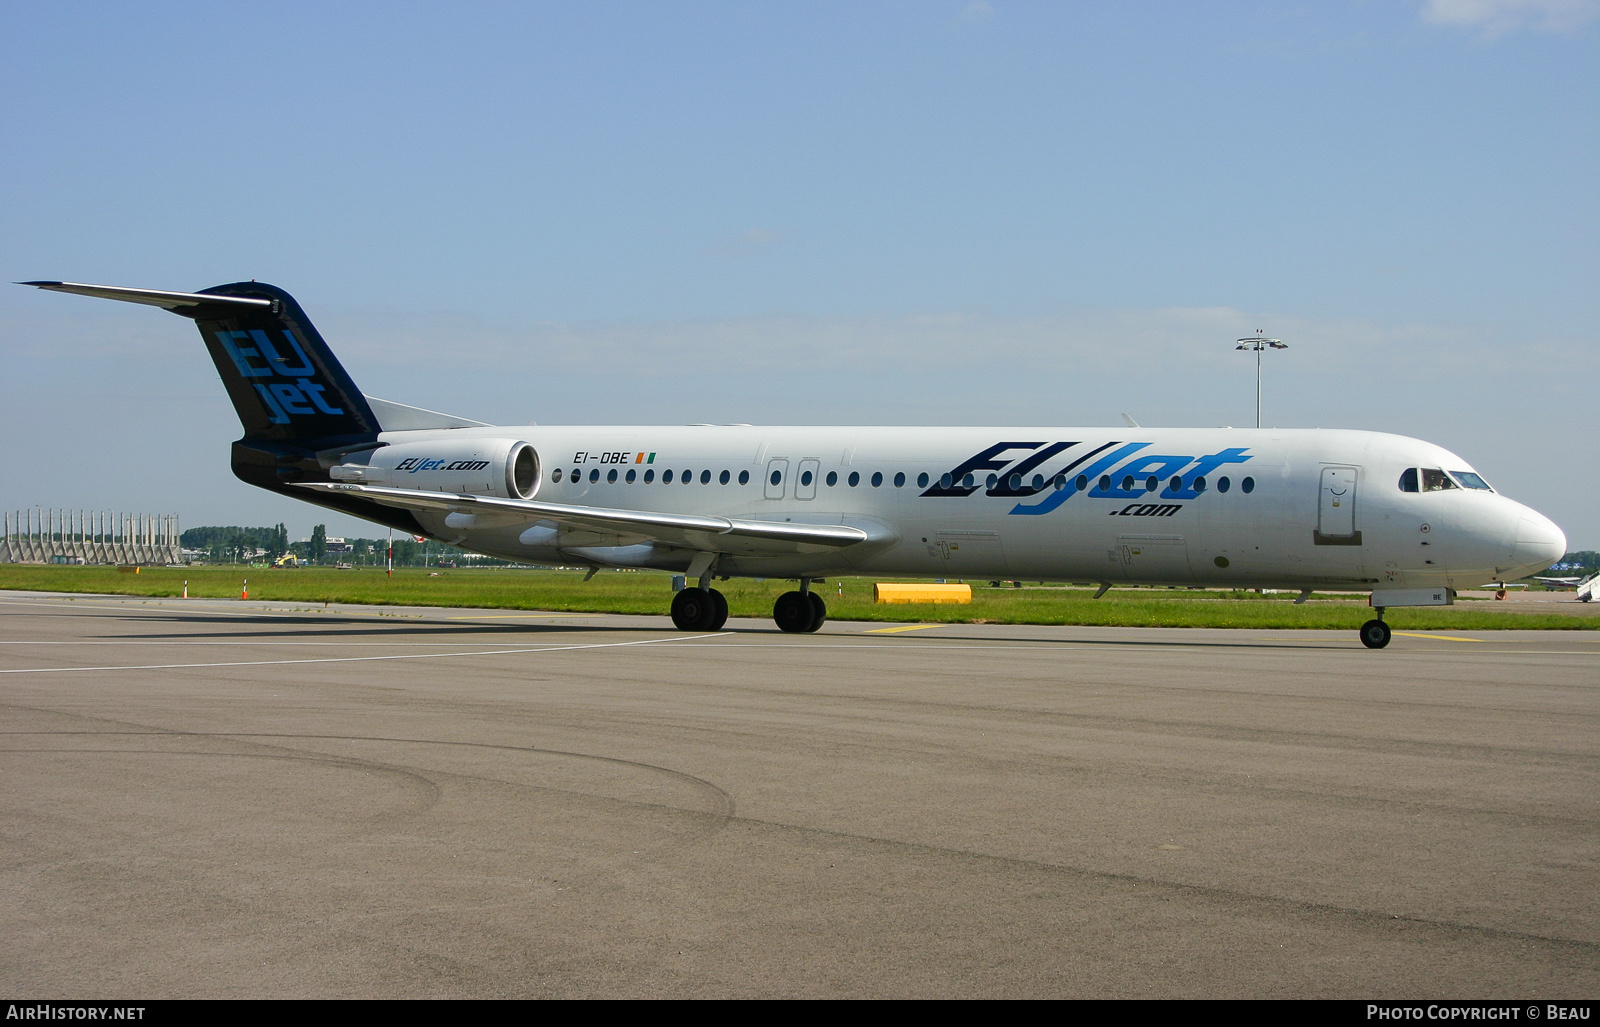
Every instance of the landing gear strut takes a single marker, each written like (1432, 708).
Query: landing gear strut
(699, 609)
(802, 611)
(1375, 633)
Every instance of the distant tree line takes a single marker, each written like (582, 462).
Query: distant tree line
(1584, 561)
(235, 544)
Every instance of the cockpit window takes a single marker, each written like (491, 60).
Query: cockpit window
(1408, 480)
(1435, 480)
(1470, 480)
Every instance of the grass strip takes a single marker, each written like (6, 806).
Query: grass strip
(649, 593)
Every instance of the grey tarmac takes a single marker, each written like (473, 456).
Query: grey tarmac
(207, 798)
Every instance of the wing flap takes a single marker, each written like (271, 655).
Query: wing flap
(622, 527)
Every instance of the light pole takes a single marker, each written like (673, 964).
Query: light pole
(1258, 343)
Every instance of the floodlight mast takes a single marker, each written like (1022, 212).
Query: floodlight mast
(1258, 342)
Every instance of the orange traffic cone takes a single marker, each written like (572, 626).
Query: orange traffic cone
(244, 593)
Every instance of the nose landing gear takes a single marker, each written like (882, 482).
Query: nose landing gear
(1375, 633)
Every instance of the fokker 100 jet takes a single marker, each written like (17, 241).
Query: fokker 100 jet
(1304, 509)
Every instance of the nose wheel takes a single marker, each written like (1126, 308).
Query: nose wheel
(699, 609)
(1375, 634)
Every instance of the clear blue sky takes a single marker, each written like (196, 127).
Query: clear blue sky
(894, 212)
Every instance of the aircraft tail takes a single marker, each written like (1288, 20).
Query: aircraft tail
(285, 383)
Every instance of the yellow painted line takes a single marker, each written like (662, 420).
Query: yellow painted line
(912, 627)
(1445, 638)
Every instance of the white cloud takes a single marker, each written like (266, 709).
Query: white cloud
(975, 13)
(746, 244)
(1498, 17)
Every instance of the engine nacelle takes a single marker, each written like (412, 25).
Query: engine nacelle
(506, 468)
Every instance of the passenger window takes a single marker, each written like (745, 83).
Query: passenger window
(966, 480)
(631, 475)
(666, 477)
(1061, 482)
(1408, 480)
(1223, 484)
(686, 477)
(1247, 486)
(945, 480)
(744, 477)
(556, 475)
(1435, 480)
(650, 476)
(854, 479)
(575, 476)
(877, 478)
(777, 477)
(1152, 483)
(1082, 483)
(705, 477)
(1127, 483)
(899, 479)
(1038, 482)
(993, 480)
(724, 477)
(1176, 483)
(805, 477)
(922, 480)
(1470, 480)
(594, 475)
(1105, 483)
(832, 479)
(1199, 484)
(611, 476)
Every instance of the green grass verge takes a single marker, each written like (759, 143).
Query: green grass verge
(650, 593)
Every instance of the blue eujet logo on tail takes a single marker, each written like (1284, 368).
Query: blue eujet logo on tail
(255, 355)
(1114, 470)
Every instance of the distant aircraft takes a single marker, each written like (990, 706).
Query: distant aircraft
(1231, 508)
(1571, 582)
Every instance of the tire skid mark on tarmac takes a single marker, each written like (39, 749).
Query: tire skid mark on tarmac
(721, 802)
(1366, 920)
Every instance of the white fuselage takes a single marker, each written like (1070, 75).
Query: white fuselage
(1276, 508)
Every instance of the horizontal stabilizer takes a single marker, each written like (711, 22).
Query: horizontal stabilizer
(394, 416)
(152, 297)
(690, 531)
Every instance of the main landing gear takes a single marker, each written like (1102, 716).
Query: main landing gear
(1375, 633)
(699, 609)
(802, 611)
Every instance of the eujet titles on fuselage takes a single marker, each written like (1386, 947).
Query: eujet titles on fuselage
(1302, 509)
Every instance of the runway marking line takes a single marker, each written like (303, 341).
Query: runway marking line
(912, 627)
(358, 659)
(1445, 638)
(512, 616)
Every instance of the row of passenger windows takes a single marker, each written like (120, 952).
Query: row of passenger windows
(1433, 479)
(946, 481)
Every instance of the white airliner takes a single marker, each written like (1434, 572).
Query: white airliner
(1226, 508)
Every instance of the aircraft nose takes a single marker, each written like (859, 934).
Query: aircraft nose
(1539, 543)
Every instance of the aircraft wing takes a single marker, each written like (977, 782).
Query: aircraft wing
(582, 526)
